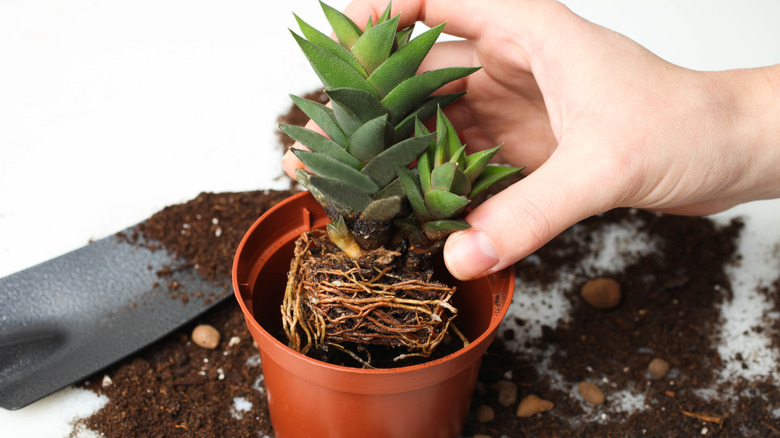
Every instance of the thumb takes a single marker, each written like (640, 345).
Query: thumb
(520, 219)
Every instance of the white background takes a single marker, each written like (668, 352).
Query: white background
(110, 110)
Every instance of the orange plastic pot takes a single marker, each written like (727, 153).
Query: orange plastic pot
(310, 398)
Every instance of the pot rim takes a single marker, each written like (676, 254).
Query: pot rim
(499, 307)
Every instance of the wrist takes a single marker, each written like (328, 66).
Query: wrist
(747, 102)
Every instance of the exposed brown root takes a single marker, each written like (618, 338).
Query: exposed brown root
(333, 301)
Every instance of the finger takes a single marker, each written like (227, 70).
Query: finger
(517, 221)
(466, 20)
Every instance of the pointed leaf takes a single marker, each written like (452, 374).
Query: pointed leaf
(412, 188)
(352, 108)
(447, 140)
(345, 29)
(345, 198)
(442, 176)
(323, 165)
(374, 46)
(323, 117)
(332, 70)
(382, 169)
(383, 209)
(490, 176)
(320, 144)
(325, 42)
(437, 230)
(370, 22)
(371, 139)
(425, 112)
(304, 178)
(459, 157)
(476, 162)
(449, 177)
(460, 183)
(395, 188)
(443, 204)
(385, 15)
(425, 160)
(402, 37)
(404, 63)
(412, 92)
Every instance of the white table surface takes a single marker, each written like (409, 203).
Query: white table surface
(110, 111)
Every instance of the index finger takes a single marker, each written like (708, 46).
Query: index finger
(465, 19)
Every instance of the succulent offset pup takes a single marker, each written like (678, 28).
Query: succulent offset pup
(393, 191)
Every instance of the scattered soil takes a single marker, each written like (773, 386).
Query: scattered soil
(202, 233)
(175, 387)
(669, 309)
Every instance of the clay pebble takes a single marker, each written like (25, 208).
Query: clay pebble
(205, 336)
(591, 393)
(507, 392)
(484, 414)
(601, 293)
(658, 368)
(532, 405)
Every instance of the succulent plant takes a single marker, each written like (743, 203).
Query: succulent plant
(376, 98)
(443, 183)
(390, 187)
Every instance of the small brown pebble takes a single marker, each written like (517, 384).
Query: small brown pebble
(658, 368)
(532, 405)
(591, 393)
(484, 414)
(205, 336)
(507, 392)
(601, 293)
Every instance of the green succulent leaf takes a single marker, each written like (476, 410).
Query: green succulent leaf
(323, 165)
(385, 15)
(437, 230)
(442, 176)
(325, 42)
(425, 160)
(448, 177)
(383, 209)
(352, 108)
(371, 139)
(411, 186)
(402, 37)
(476, 162)
(491, 175)
(374, 46)
(332, 70)
(427, 110)
(323, 117)
(443, 204)
(345, 198)
(413, 91)
(447, 141)
(321, 144)
(345, 29)
(395, 188)
(404, 63)
(382, 169)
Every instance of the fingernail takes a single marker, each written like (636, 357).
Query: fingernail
(468, 254)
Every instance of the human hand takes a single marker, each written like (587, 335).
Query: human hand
(599, 122)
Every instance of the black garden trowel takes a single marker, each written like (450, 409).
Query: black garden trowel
(69, 317)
